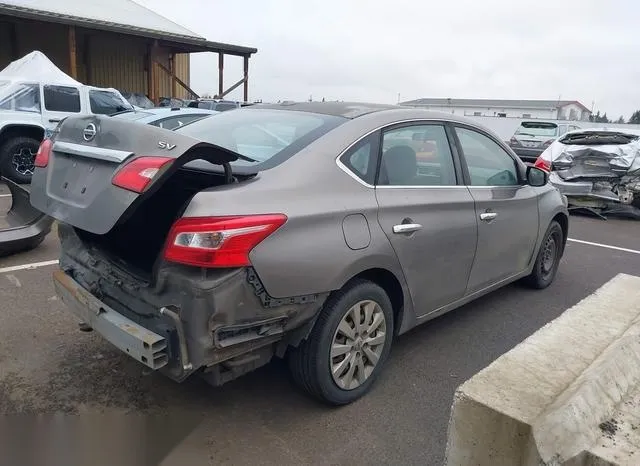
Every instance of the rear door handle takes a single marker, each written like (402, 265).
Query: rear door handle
(406, 228)
(54, 120)
(488, 216)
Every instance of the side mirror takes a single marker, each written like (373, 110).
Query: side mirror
(536, 177)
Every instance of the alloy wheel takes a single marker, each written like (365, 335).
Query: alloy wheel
(23, 161)
(357, 344)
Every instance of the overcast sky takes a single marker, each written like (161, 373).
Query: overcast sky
(586, 50)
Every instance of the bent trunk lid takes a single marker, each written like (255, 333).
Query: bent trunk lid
(76, 186)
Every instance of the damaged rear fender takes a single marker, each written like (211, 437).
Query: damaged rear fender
(27, 226)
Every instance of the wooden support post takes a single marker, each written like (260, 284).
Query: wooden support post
(73, 60)
(172, 72)
(152, 74)
(220, 74)
(13, 38)
(88, 76)
(246, 78)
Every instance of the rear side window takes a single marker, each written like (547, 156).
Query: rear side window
(416, 155)
(62, 99)
(361, 159)
(106, 103)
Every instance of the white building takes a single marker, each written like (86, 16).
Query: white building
(545, 109)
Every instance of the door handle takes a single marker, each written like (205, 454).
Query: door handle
(406, 228)
(54, 120)
(488, 216)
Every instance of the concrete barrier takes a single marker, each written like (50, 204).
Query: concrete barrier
(567, 395)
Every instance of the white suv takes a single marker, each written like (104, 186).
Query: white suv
(30, 110)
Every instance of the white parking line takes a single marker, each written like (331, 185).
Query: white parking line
(33, 265)
(606, 246)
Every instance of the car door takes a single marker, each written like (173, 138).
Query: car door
(59, 102)
(506, 208)
(427, 215)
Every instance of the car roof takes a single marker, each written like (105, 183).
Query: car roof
(342, 109)
(352, 110)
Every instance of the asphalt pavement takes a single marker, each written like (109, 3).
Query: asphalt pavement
(48, 365)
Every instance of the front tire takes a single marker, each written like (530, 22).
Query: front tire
(348, 346)
(17, 157)
(548, 259)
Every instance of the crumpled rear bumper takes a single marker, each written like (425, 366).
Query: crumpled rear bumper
(581, 188)
(27, 226)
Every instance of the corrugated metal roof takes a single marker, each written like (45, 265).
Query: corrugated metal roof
(124, 16)
(503, 103)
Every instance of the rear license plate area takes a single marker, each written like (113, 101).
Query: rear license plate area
(78, 179)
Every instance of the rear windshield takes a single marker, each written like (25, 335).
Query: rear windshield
(537, 129)
(267, 137)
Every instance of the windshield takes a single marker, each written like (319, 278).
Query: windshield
(537, 129)
(262, 135)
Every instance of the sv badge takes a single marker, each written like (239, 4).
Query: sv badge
(166, 145)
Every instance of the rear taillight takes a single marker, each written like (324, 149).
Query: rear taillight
(513, 142)
(543, 164)
(548, 142)
(219, 241)
(44, 151)
(139, 173)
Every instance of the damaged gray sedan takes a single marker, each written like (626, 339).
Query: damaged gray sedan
(597, 169)
(312, 231)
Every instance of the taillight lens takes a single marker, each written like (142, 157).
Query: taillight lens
(44, 151)
(219, 241)
(543, 164)
(513, 142)
(548, 142)
(140, 172)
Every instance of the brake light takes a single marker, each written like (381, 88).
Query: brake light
(513, 141)
(543, 164)
(548, 142)
(140, 172)
(219, 241)
(44, 151)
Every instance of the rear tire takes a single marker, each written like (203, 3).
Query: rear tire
(548, 259)
(17, 157)
(355, 326)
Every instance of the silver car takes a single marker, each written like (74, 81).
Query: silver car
(311, 231)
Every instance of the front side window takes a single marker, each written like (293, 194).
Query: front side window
(20, 97)
(417, 155)
(106, 103)
(62, 99)
(487, 162)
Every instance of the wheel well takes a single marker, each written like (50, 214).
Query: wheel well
(564, 224)
(390, 284)
(9, 132)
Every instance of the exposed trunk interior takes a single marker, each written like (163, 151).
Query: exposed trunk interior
(137, 242)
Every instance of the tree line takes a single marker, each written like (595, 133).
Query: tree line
(597, 118)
